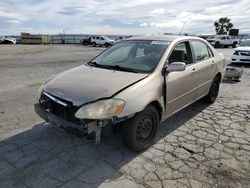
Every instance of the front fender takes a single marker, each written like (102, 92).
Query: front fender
(139, 95)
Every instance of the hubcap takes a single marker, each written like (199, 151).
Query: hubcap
(145, 127)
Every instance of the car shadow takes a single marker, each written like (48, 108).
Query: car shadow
(229, 81)
(48, 156)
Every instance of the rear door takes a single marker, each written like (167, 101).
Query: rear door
(180, 85)
(223, 40)
(97, 40)
(102, 41)
(204, 62)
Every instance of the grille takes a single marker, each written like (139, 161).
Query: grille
(244, 60)
(64, 112)
(245, 53)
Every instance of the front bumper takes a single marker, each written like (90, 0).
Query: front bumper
(240, 59)
(212, 42)
(58, 121)
(83, 128)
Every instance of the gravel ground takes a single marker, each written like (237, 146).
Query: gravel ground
(201, 146)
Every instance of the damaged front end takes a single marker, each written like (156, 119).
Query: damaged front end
(63, 114)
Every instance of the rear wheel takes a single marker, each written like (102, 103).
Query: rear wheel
(94, 44)
(139, 132)
(214, 90)
(234, 44)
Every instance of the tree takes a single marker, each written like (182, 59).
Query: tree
(223, 25)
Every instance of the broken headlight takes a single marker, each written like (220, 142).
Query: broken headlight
(102, 109)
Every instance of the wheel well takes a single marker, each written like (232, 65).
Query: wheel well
(158, 107)
(218, 75)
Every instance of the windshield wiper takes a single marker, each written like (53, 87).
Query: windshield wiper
(113, 67)
(118, 67)
(94, 64)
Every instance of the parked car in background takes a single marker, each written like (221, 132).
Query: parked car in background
(138, 82)
(102, 41)
(86, 41)
(7, 40)
(223, 41)
(242, 53)
(122, 38)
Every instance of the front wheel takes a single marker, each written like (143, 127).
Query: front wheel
(139, 132)
(214, 90)
(234, 44)
(217, 45)
(94, 44)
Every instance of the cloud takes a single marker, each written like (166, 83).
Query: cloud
(120, 17)
(169, 24)
(144, 24)
(158, 11)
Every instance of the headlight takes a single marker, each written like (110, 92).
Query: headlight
(102, 109)
(236, 53)
(39, 92)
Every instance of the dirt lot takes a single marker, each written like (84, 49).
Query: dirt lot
(201, 146)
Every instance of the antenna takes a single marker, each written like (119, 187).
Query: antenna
(182, 27)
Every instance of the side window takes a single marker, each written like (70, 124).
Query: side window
(228, 38)
(200, 50)
(101, 38)
(181, 53)
(97, 38)
(223, 38)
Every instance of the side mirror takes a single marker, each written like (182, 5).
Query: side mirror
(176, 66)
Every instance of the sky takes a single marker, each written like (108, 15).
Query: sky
(121, 17)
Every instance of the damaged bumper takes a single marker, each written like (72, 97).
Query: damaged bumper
(57, 120)
(84, 128)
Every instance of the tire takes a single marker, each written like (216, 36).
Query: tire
(214, 90)
(139, 132)
(106, 45)
(234, 44)
(217, 45)
(94, 44)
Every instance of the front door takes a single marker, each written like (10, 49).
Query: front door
(180, 85)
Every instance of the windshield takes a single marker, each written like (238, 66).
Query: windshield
(140, 56)
(245, 43)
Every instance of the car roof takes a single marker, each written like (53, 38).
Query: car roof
(168, 38)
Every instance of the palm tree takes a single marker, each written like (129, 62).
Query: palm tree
(223, 25)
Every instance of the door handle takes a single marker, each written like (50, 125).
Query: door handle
(213, 63)
(193, 70)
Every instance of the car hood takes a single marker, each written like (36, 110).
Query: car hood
(84, 84)
(110, 40)
(243, 48)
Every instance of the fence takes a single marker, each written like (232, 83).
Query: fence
(65, 38)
